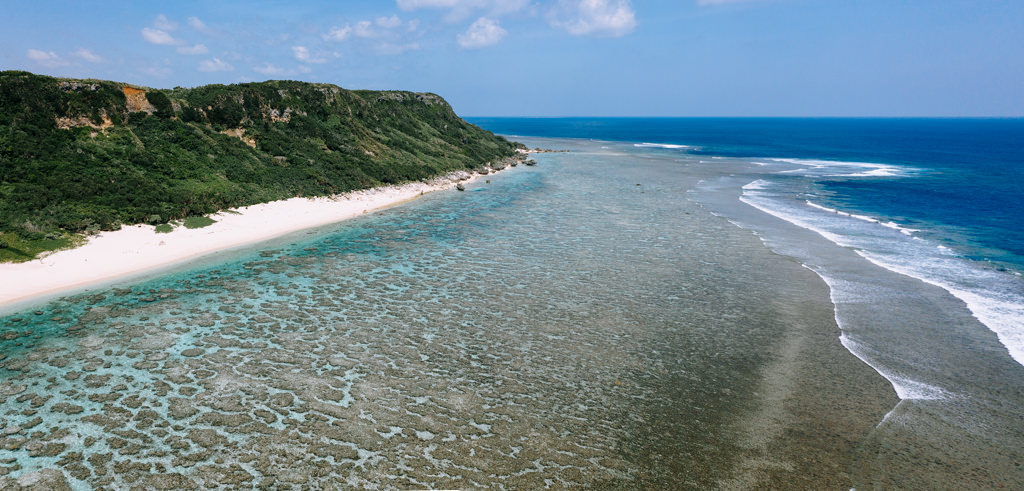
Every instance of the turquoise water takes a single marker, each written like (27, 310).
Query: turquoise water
(540, 330)
(597, 320)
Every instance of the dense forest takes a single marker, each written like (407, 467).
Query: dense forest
(78, 156)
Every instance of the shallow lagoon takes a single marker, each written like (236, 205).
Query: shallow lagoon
(584, 322)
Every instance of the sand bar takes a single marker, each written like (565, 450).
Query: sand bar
(136, 249)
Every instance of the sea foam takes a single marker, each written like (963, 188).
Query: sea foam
(661, 145)
(993, 297)
(836, 168)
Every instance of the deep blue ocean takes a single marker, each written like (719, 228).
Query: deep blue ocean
(958, 181)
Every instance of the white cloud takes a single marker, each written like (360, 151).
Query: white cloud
(164, 24)
(197, 24)
(507, 5)
(611, 18)
(215, 65)
(268, 69)
(88, 56)
(484, 32)
(199, 49)
(46, 58)
(304, 69)
(461, 9)
(385, 28)
(302, 54)
(364, 29)
(157, 36)
(389, 22)
(338, 33)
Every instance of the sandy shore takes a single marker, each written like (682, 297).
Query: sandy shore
(139, 248)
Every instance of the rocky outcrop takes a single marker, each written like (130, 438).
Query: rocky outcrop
(136, 100)
(67, 122)
(278, 116)
(42, 480)
(399, 96)
(240, 134)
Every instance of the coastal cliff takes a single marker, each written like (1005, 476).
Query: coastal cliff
(80, 156)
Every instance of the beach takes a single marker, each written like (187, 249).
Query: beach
(137, 249)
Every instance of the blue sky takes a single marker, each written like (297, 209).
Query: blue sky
(558, 57)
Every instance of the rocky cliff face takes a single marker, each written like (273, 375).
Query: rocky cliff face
(135, 100)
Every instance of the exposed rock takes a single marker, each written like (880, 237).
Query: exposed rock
(51, 449)
(8, 389)
(44, 480)
(240, 134)
(78, 86)
(181, 408)
(68, 122)
(168, 481)
(207, 438)
(136, 100)
(278, 116)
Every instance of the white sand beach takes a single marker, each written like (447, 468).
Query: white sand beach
(139, 248)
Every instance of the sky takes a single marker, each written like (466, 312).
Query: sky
(557, 57)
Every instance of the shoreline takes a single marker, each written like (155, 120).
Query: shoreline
(137, 249)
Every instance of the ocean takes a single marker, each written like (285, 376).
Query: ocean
(956, 180)
(947, 190)
(671, 303)
(935, 201)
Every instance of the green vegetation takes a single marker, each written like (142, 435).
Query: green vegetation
(78, 156)
(164, 228)
(198, 222)
(14, 248)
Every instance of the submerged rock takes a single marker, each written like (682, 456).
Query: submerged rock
(45, 479)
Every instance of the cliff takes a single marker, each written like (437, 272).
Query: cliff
(85, 155)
